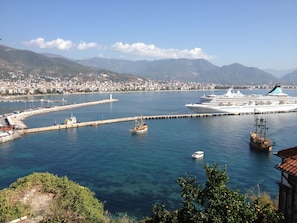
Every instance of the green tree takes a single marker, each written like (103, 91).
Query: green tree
(214, 203)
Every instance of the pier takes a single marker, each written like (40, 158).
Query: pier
(108, 121)
(15, 122)
(127, 119)
(17, 119)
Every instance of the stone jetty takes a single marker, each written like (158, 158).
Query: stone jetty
(14, 125)
(17, 119)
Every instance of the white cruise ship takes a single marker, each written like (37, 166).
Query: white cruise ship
(235, 102)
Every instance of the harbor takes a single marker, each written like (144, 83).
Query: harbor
(14, 122)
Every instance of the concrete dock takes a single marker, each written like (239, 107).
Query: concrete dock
(125, 119)
(108, 121)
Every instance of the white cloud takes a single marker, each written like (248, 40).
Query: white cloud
(83, 45)
(153, 51)
(140, 49)
(57, 43)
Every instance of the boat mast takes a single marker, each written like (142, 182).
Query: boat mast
(262, 127)
(256, 124)
(265, 128)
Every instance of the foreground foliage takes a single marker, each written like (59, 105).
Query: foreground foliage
(214, 203)
(71, 202)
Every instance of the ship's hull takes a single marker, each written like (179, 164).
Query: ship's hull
(212, 108)
(258, 146)
(235, 102)
(139, 130)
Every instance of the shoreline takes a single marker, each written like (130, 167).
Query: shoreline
(7, 97)
(121, 92)
(107, 92)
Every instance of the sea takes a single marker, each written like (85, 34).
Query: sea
(130, 173)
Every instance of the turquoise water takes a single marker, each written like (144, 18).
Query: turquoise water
(132, 172)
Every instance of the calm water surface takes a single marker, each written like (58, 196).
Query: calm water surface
(129, 172)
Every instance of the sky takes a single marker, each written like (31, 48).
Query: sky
(254, 33)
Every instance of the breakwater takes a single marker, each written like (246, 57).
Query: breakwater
(17, 119)
(76, 125)
(125, 119)
(17, 126)
(108, 121)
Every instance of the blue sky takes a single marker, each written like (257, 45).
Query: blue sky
(255, 33)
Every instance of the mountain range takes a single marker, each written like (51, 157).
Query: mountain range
(22, 64)
(198, 70)
(186, 70)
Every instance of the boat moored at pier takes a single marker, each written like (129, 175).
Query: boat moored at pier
(236, 102)
(70, 120)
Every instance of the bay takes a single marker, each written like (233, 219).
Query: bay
(129, 173)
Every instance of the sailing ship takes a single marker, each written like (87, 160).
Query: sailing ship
(139, 126)
(258, 139)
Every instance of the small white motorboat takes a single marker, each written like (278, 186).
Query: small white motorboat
(198, 155)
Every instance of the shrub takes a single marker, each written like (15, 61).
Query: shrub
(71, 202)
(214, 203)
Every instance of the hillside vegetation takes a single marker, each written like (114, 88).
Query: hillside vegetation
(30, 62)
(49, 198)
(43, 197)
(24, 64)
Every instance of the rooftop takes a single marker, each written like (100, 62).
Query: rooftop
(289, 162)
